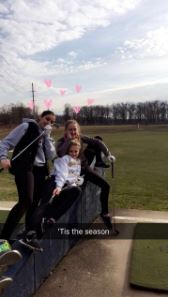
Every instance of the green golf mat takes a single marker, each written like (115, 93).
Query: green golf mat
(149, 258)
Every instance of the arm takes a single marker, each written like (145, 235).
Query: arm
(96, 144)
(10, 141)
(60, 171)
(49, 143)
(49, 147)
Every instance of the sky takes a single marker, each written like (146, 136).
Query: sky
(82, 52)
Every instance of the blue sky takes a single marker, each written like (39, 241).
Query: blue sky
(116, 51)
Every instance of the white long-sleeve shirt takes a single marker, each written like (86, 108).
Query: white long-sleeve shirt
(66, 171)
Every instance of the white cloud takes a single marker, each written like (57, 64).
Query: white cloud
(119, 7)
(35, 26)
(3, 8)
(72, 54)
(31, 27)
(152, 90)
(154, 44)
(67, 66)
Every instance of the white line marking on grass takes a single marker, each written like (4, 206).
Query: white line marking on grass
(136, 219)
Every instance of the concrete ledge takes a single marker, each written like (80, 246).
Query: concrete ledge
(29, 273)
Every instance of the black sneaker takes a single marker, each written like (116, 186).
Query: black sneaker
(5, 281)
(107, 221)
(47, 223)
(21, 234)
(102, 164)
(31, 241)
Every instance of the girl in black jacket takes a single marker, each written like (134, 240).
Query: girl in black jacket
(29, 165)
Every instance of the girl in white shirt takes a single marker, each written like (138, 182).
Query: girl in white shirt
(67, 169)
(64, 188)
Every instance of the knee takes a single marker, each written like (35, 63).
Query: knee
(76, 192)
(98, 137)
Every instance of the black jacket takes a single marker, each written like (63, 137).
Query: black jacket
(26, 159)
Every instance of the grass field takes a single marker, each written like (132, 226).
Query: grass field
(140, 171)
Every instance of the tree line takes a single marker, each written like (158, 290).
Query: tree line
(13, 114)
(149, 112)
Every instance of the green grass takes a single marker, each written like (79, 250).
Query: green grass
(3, 216)
(148, 267)
(140, 171)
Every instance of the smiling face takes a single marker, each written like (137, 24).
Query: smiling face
(72, 130)
(47, 120)
(74, 151)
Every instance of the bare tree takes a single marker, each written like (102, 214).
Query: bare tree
(13, 114)
(131, 112)
(68, 112)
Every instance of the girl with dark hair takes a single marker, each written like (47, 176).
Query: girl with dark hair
(32, 146)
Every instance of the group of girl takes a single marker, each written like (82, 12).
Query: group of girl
(33, 147)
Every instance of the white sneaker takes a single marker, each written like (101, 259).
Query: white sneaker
(5, 282)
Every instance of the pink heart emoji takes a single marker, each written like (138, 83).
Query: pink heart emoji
(31, 104)
(62, 92)
(78, 88)
(90, 101)
(48, 82)
(76, 109)
(48, 103)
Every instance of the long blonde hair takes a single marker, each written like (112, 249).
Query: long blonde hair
(74, 122)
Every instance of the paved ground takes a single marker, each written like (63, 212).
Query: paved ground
(7, 205)
(99, 268)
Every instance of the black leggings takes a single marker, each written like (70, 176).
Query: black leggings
(90, 153)
(30, 185)
(55, 210)
(92, 176)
